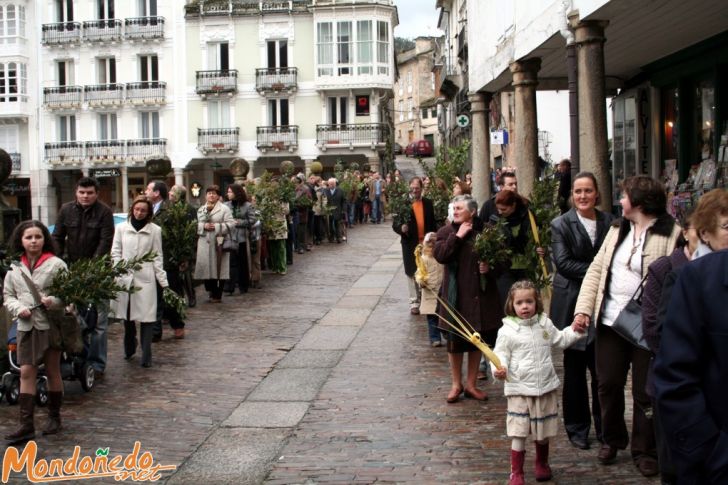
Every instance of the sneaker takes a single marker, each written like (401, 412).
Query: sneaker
(436, 343)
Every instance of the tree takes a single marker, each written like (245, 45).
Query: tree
(402, 44)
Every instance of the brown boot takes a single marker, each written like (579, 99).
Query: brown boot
(53, 426)
(543, 470)
(26, 403)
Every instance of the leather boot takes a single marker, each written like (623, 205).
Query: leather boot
(53, 426)
(517, 459)
(26, 403)
(543, 470)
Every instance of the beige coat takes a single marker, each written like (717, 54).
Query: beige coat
(430, 285)
(17, 296)
(128, 244)
(206, 265)
(660, 241)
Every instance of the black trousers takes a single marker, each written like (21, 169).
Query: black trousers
(239, 270)
(577, 415)
(130, 341)
(214, 287)
(174, 278)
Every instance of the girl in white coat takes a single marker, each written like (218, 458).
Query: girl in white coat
(524, 347)
(133, 238)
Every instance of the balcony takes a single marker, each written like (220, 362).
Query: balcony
(108, 30)
(143, 149)
(105, 150)
(64, 152)
(463, 44)
(276, 79)
(218, 139)
(146, 93)
(62, 97)
(217, 82)
(144, 28)
(214, 8)
(350, 135)
(277, 138)
(104, 95)
(17, 166)
(61, 33)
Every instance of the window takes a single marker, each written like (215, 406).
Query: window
(362, 105)
(278, 112)
(106, 70)
(149, 124)
(343, 48)
(64, 71)
(400, 108)
(382, 47)
(433, 113)
(432, 81)
(147, 8)
(148, 68)
(105, 9)
(107, 126)
(410, 109)
(325, 48)
(12, 23)
(13, 82)
(9, 138)
(365, 47)
(409, 81)
(66, 128)
(218, 56)
(64, 10)
(218, 114)
(424, 113)
(338, 110)
(277, 53)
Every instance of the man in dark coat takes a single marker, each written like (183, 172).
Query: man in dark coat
(691, 369)
(335, 201)
(564, 176)
(85, 229)
(421, 221)
(157, 194)
(506, 181)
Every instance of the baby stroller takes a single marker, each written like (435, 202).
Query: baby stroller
(73, 366)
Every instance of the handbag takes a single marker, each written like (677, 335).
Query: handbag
(64, 331)
(629, 321)
(228, 245)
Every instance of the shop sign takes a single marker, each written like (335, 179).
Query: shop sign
(643, 131)
(499, 137)
(106, 172)
(14, 188)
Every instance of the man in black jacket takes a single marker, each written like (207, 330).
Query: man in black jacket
(507, 181)
(421, 221)
(85, 229)
(336, 201)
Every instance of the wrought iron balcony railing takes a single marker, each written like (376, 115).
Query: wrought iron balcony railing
(108, 30)
(276, 79)
(351, 134)
(61, 33)
(217, 82)
(17, 165)
(105, 150)
(144, 28)
(104, 94)
(146, 92)
(143, 149)
(218, 139)
(277, 137)
(210, 8)
(64, 152)
(62, 97)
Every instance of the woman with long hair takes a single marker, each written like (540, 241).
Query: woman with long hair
(244, 219)
(38, 265)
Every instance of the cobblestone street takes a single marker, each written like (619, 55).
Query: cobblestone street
(320, 377)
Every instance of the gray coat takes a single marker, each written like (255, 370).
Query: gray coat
(207, 241)
(245, 219)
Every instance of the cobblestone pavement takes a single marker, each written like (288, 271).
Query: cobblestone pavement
(322, 376)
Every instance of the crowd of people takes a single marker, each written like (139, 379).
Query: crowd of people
(602, 264)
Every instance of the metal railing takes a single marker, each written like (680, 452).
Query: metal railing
(276, 79)
(104, 94)
(105, 150)
(277, 137)
(143, 149)
(351, 134)
(61, 33)
(216, 82)
(143, 28)
(63, 97)
(146, 92)
(108, 30)
(64, 152)
(217, 139)
(16, 159)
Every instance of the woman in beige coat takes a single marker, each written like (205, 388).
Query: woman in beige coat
(214, 222)
(134, 238)
(645, 234)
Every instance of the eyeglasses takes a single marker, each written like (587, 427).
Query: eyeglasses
(723, 226)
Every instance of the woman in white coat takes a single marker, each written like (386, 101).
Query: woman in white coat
(214, 221)
(133, 238)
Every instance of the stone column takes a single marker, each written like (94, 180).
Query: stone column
(307, 164)
(179, 176)
(525, 80)
(592, 105)
(480, 147)
(124, 188)
(374, 164)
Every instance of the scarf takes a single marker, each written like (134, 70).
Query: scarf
(137, 224)
(42, 259)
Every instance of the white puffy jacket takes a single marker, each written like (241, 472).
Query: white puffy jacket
(524, 348)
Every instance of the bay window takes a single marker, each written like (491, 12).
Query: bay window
(344, 48)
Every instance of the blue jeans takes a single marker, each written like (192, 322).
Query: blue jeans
(377, 209)
(432, 321)
(98, 347)
(352, 208)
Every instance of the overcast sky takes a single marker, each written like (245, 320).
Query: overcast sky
(416, 17)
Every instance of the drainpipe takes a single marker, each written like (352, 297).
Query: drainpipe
(571, 69)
